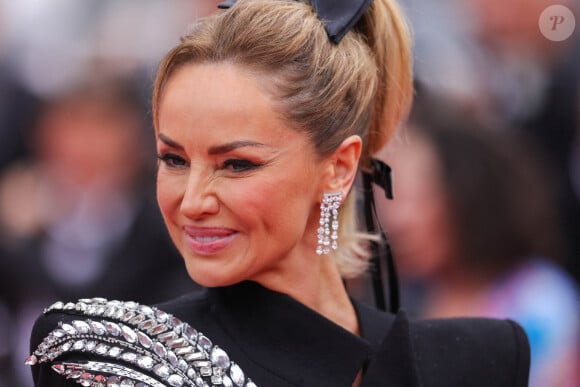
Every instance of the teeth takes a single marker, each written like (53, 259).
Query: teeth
(206, 239)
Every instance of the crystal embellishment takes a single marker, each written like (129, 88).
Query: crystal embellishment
(156, 348)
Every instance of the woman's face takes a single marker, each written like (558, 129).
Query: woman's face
(237, 187)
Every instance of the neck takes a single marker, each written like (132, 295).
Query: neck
(320, 288)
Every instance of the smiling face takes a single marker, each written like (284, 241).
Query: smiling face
(238, 189)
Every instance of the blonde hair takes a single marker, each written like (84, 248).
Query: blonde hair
(362, 86)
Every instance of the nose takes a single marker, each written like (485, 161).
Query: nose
(199, 198)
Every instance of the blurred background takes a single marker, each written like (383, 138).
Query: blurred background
(486, 216)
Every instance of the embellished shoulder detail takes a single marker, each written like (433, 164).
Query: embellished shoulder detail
(128, 344)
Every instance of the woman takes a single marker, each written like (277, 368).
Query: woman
(262, 115)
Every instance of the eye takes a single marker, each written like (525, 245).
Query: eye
(239, 165)
(172, 160)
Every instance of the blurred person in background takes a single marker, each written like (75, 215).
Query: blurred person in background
(46, 49)
(474, 228)
(80, 218)
(490, 58)
(17, 106)
(533, 83)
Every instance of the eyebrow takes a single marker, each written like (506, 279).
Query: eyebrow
(214, 150)
(225, 148)
(170, 142)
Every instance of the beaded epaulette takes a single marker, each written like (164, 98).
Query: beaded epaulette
(129, 344)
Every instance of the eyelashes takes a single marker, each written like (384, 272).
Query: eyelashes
(175, 161)
(172, 160)
(240, 165)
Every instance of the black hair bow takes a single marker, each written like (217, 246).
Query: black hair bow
(339, 16)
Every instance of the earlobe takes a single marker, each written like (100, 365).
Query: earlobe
(344, 164)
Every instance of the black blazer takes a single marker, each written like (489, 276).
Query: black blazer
(279, 342)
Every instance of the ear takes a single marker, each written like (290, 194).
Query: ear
(343, 165)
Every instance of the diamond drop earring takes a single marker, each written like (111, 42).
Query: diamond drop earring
(328, 239)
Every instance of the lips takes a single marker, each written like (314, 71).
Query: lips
(208, 240)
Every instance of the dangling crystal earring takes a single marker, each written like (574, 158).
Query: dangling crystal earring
(328, 239)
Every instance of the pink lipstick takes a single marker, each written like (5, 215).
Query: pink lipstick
(208, 240)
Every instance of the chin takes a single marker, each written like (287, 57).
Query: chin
(211, 278)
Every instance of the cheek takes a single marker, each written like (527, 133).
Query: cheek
(169, 193)
(272, 204)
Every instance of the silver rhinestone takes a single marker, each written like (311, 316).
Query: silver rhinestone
(175, 322)
(159, 349)
(146, 310)
(161, 371)
(119, 314)
(205, 371)
(145, 362)
(194, 356)
(56, 305)
(78, 345)
(237, 374)
(190, 333)
(131, 305)
(128, 316)
(58, 333)
(102, 349)
(175, 380)
(81, 306)
(111, 311)
(184, 351)
(69, 329)
(138, 319)
(129, 334)
(98, 328)
(219, 358)
(204, 342)
(91, 345)
(66, 346)
(147, 324)
(227, 382)
(81, 326)
(177, 343)
(115, 352)
(167, 336)
(172, 358)
(113, 328)
(161, 316)
(129, 356)
(158, 329)
(144, 340)
(202, 363)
